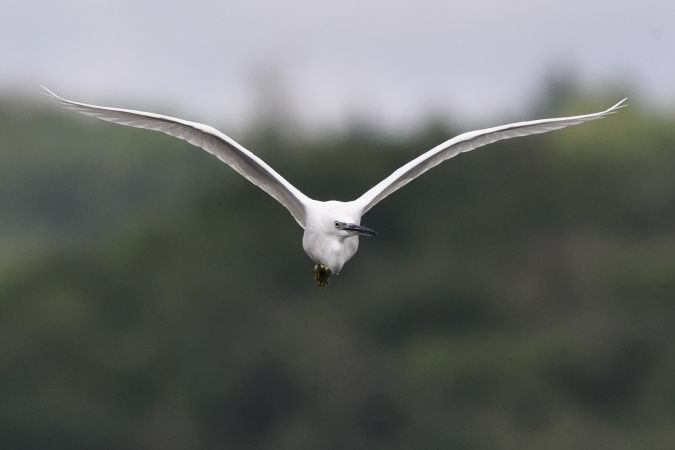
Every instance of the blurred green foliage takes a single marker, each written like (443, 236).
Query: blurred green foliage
(520, 297)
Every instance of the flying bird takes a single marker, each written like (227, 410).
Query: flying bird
(331, 228)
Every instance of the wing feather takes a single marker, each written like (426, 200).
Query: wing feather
(208, 138)
(466, 142)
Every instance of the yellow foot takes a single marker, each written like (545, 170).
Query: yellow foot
(321, 274)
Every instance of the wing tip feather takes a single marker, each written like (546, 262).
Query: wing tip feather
(621, 104)
(44, 90)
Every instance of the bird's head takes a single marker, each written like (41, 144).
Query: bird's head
(332, 229)
(342, 229)
(346, 229)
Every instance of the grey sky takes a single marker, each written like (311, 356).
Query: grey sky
(394, 60)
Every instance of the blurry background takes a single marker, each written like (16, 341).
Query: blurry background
(520, 297)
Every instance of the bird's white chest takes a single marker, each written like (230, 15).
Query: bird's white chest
(331, 251)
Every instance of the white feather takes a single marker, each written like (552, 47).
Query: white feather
(464, 143)
(332, 228)
(208, 138)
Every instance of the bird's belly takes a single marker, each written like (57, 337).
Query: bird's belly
(332, 253)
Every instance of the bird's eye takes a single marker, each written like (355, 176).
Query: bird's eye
(337, 224)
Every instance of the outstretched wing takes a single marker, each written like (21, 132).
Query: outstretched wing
(213, 141)
(464, 143)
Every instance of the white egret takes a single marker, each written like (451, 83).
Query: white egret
(331, 228)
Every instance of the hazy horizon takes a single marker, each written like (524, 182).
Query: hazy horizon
(391, 62)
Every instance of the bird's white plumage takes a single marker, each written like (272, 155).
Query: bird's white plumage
(208, 138)
(332, 228)
(466, 142)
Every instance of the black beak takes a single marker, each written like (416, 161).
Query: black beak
(359, 229)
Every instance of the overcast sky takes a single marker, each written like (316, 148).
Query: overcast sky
(393, 60)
